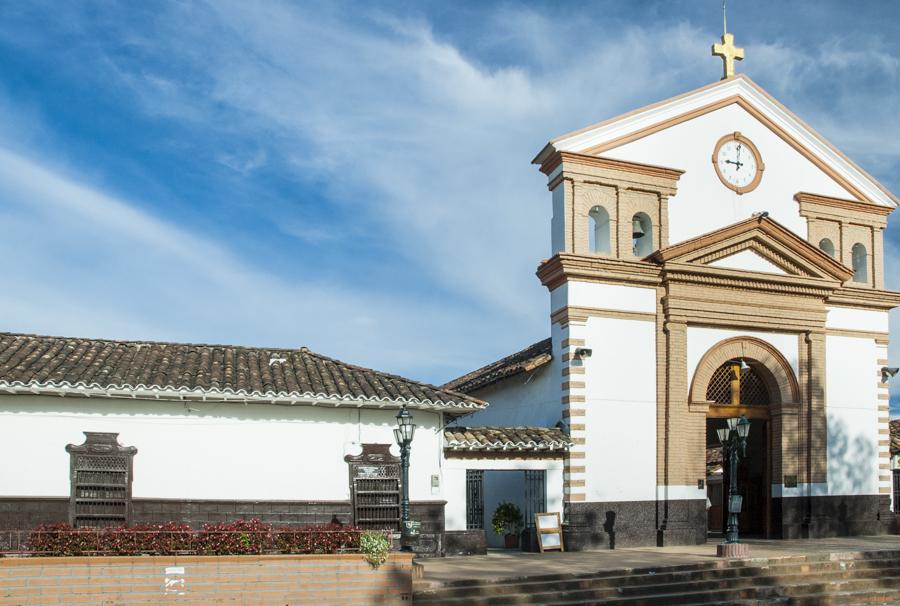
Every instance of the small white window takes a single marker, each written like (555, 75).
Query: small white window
(641, 235)
(598, 230)
(827, 247)
(860, 263)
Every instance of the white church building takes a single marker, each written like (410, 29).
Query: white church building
(712, 256)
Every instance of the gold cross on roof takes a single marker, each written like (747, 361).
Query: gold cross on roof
(729, 53)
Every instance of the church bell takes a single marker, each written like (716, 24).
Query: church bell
(636, 230)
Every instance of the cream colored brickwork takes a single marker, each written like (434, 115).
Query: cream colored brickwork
(572, 400)
(623, 189)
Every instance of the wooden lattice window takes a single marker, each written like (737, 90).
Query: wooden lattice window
(753, 389)
(375, 487)
(101, 472)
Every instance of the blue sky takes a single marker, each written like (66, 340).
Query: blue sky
(356, 177)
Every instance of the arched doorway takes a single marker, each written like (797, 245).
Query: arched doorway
(737, 389)
(745, 376)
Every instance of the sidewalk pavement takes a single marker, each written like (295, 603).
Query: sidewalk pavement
(499, 564)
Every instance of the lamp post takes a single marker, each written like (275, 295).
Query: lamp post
(734, 446)
(403, 434)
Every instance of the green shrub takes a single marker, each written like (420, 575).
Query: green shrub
(507, 519)
(375, 548)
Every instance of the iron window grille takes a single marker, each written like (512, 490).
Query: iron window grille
(375, 488)
(753, 389)
(101, 472)
(474, 499)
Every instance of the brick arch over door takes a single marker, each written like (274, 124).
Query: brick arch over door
(786, 441)
(773, 368)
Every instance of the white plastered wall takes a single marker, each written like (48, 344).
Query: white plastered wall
(620, 388)
(558, 222)
(216, 451)
(528, 399)
(852, 412)
(455, 484)
(856, 319)
(603, 296)
(703, 203)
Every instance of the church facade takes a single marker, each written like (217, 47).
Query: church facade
(712, 256)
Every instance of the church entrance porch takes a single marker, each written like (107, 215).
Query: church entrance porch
(748, 377)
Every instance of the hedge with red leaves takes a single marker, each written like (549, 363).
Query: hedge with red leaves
(233, 538)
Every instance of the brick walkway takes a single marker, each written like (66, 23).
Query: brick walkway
(501, 564)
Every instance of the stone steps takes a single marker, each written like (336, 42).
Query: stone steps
(859, 578)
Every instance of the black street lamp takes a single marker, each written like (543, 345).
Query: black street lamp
(734, 446)
(403, 434)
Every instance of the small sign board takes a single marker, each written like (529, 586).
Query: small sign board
(549, 532)
(173, 581)
(410, 532)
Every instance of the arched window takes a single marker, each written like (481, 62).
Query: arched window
(860, 263)
(827, 247)
(641, 235)
(598, 230)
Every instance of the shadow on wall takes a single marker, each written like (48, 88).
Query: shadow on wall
(610, 527)
(852, 460)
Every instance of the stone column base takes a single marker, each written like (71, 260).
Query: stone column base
(733, 550)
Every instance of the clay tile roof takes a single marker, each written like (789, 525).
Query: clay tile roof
(895, 436)
(506, 438)
(37, 364)
(530, 358)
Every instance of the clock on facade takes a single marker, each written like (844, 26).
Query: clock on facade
(738, 163)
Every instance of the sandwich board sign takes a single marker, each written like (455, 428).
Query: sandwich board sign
(549, 532)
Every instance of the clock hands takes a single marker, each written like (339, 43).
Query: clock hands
(737, 163)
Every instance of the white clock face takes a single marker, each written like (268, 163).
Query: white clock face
(737, 163)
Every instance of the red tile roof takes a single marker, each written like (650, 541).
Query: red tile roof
(530, 358)
(33, 364)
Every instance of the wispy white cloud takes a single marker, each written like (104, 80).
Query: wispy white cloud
(84, 262)
(416, 140)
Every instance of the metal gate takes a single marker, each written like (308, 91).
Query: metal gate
(896, 476)
(535, 494)
(474, 499)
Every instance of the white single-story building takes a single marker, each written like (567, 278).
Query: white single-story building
(100, 433)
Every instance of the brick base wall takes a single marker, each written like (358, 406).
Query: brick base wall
(465, 542)
(262, 580)
(24, 513)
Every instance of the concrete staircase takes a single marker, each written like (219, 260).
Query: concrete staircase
(809, 580)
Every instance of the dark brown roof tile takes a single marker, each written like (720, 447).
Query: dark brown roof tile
(530, 358)
(65, 363)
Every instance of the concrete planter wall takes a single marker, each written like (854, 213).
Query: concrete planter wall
(265, 579)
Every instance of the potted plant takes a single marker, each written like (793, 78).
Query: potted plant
(507, 521)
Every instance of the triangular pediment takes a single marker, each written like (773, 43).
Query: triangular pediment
(748, 260)
(739, 90)
(757, 244)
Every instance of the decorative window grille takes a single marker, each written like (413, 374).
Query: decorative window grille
(474, 499)
(375, 488)
(535, 494)
(101, 472)
(753, 389)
